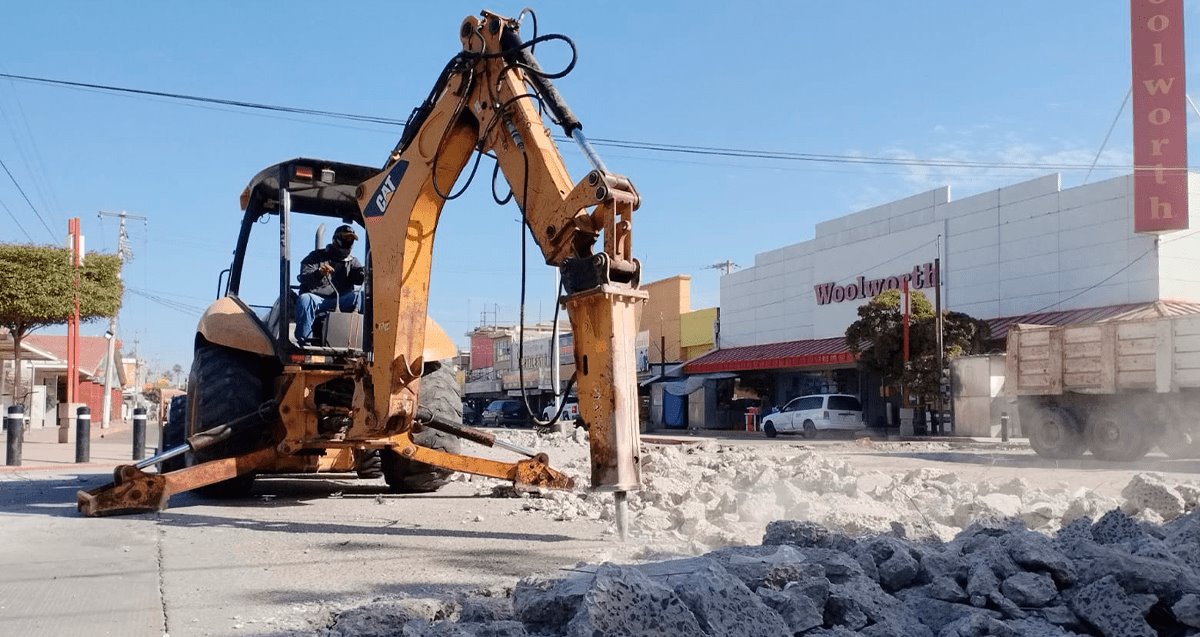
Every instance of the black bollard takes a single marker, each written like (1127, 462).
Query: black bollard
(15, 424)
(83, 435)
(1004, 426)
(139, 433)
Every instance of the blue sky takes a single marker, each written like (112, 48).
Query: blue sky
(1014, 81)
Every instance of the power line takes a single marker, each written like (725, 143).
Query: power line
(210, 100)
(31, 206)
(14, 218)
(1104, 143)
(744, 153)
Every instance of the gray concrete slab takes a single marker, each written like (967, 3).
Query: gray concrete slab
(64, 575)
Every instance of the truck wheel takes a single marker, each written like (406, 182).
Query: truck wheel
(769, 429)
(225, 384)
(1117, 440)
(1055, 434)
(810, 429)
(174, 434)
(1178, 444)
(439, 392)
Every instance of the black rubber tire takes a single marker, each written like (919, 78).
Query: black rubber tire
(226, 384)
(769, 430)
(810, 429)
(369, 464)
(440, 393)
(1117, 439)
(1056, 434)
(1176, 445)
(174, 433)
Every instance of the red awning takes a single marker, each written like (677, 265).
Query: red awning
(810, 353)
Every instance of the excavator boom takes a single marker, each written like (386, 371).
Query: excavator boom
(488, 100)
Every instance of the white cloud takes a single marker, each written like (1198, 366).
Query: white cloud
(997, 160)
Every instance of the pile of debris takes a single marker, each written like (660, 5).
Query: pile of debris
(699, 497)
(1115, 577)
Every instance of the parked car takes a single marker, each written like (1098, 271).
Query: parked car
(470, 415)
(570, 411)
(807, 415)
(505, 413)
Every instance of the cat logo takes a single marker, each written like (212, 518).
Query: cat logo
(379, 201)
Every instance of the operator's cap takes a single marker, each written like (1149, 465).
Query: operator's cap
(345, 232)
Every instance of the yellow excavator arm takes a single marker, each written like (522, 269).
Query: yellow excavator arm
(489, 99)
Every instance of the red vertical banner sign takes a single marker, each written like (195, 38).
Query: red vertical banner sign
(72, 236)
(1159, 116)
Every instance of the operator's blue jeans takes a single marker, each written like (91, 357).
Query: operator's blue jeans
(309, 304)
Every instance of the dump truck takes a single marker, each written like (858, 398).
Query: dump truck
(1115, 389)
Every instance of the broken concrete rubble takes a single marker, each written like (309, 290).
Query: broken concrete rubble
(992, 579)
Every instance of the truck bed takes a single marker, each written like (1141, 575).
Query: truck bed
(1150, 355)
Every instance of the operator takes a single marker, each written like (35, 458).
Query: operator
(328, 274)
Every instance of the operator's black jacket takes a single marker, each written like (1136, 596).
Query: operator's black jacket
(347, 272)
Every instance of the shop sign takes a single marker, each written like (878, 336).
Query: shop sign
(922, 276)
(1160, 178)
(642, 346)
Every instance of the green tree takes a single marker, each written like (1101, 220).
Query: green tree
(37, 289)
(877, 339)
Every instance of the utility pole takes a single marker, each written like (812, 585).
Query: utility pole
(725, 265)
(937, 313)
(124, 253)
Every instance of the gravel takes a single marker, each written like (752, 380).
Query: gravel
(804, 544)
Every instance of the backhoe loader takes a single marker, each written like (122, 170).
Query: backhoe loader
(373, 395)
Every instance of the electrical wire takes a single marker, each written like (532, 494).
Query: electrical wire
(40, 182)
(16, 221)
(209, 100)
(411, 124)
(178, 306)
(31, 206)
(1112, 126)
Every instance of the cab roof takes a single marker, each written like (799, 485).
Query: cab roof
(318, 187)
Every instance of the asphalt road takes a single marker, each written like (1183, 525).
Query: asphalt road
(283, 561)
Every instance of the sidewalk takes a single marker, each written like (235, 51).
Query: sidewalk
(109, 448)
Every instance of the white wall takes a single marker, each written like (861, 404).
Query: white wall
(1020, 249)
(1179, 253)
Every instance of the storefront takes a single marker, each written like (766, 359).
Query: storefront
(1032, 249)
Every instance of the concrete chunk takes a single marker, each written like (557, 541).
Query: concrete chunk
(977, 625)
(1187, 610)
(623, 601)
(1148, 492)
(723, 605)
(1029, 589)
(1104, 605)
(1036, 552)
(796, 608)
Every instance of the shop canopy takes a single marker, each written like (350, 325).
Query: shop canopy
(822, 352)
(692, 384)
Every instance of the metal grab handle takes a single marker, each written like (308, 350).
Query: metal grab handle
(208, 437)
